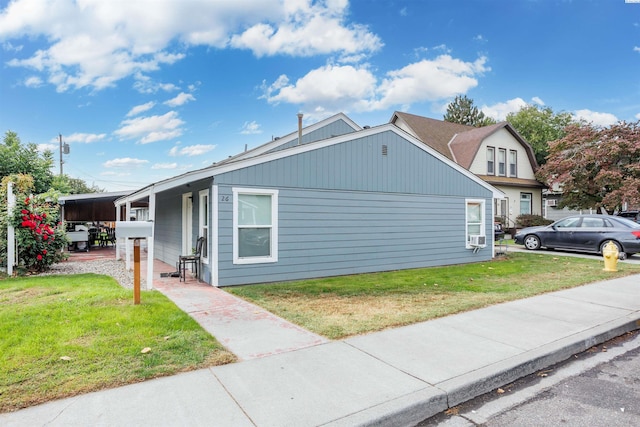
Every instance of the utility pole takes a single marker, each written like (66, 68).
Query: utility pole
(64, 149)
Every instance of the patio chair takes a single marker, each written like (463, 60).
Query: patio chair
(193, 260)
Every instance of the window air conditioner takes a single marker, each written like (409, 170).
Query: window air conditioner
(477, 241)
(552, 202)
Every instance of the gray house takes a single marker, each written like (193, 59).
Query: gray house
(331, 199)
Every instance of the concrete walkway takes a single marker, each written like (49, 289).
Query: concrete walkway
(243, 328)
(395, 377)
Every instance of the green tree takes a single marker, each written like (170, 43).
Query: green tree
(67, 185)
(538, 126)
(16, 158)
(461, 110)
(595, 167)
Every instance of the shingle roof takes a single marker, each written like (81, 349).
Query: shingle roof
(434, 133)
(459, 143)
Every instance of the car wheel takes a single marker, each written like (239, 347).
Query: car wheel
(622, 255)
(532, 242)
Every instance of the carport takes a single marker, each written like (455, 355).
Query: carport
(86, 214)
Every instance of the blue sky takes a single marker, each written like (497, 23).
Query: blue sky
(143, 90)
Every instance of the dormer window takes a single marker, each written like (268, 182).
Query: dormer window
(491, 161)
(502, 162)
(513, 163)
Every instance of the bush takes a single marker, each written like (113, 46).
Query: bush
(39, 235)
(528, 220)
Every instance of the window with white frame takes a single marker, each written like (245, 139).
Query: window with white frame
(491, 161)
(513, 163)
(203, 203)
(474, 219)
(502, 162)
(255, 226)
(525, 203)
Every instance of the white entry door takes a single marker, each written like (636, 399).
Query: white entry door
(187, 223)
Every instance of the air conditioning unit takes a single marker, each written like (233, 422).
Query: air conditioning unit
(477, 240)
(552, 202)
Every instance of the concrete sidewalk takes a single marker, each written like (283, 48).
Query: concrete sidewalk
(394, 377)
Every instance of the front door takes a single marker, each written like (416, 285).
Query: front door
(187, 223)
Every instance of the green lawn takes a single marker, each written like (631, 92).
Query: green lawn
(64, 335)
(342, 306)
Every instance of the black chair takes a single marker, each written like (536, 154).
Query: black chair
(192, 260)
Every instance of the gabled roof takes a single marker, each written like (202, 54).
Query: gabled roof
(239, 163)
(435, 133)
(279, 141)
(459, 143)
(465, 145)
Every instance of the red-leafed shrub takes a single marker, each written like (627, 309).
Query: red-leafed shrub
(40, 236)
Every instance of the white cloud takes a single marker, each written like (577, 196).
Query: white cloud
(33, 81)
(599, 119)
(335, 88)
(500, 110)
(164, 166)
(125, 162)
(638, 116)
(84, 138)
(636, 48)
(251, 128)
(191, 150)
(305, 29)
(151, 128)
(141, 108)
(196, 150)
(429, 80)
(44, 147)
(181, 99)
(95, 44)
(537, 100)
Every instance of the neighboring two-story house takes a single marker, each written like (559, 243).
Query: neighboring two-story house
(497, 154)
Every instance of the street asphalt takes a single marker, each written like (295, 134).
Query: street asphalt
(397, 377)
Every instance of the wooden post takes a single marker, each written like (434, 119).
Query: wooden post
(136, 271)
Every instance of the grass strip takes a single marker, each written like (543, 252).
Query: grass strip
(65, 335)
(343, 306)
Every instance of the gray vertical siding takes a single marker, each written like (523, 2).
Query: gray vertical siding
(337, 128)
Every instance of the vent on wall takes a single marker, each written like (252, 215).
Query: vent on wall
(384, 150)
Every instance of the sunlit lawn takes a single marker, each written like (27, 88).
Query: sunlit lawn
(342, 306)
(64, 335)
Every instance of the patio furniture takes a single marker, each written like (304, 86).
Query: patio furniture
(193, 260)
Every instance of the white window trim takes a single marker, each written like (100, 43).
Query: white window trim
(201, 203)
(274, 226)
(482, 220)
(491, 158)
(514, 163)
(502, 152)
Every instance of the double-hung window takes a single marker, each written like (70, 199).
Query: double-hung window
(255, 226)
(203, 215)
(474, 219)
(491, 161)
(513, 163)
(502, 162)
